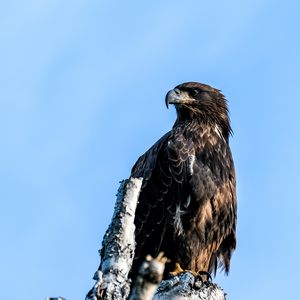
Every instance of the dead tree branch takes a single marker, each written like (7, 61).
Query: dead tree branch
(118, 246)
(186, 286)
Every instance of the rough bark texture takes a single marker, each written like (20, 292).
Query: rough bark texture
(117, 254)
(118, 246)
(186, 286)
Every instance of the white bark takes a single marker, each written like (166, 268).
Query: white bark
(186, 286)
(118, 246)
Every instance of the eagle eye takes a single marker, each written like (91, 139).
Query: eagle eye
(193, 92)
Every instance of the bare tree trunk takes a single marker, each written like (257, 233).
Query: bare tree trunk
(117, 254)
(118, 246)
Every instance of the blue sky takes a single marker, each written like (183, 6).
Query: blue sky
(82, 86)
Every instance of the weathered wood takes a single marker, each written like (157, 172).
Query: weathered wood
(186, 286)
(118, 246)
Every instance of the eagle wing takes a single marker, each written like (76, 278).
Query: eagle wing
(187, 203)
(211, 215)
(164, 168)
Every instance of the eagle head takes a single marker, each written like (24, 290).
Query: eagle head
(198, 101)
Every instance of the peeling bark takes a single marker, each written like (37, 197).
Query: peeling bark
(186, 286)
(118, 246)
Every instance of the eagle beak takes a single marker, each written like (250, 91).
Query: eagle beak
(173, 97)
(177, 96)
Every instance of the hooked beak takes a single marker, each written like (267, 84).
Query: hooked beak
(178, 97)
(173, 97)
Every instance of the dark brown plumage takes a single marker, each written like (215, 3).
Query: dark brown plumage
(187, 205)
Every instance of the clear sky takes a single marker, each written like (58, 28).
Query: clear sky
(82, 86)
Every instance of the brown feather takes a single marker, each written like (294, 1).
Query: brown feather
(187, 205)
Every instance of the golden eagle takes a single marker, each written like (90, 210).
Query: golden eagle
(187, 205)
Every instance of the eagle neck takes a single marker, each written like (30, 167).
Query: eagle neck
(196, 127)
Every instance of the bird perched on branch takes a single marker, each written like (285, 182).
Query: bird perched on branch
(187, 204)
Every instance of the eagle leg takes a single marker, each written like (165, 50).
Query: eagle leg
(178, 270)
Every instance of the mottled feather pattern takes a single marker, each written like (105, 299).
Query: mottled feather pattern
(187, 205)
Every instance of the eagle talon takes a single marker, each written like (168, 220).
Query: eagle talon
(208, 276)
